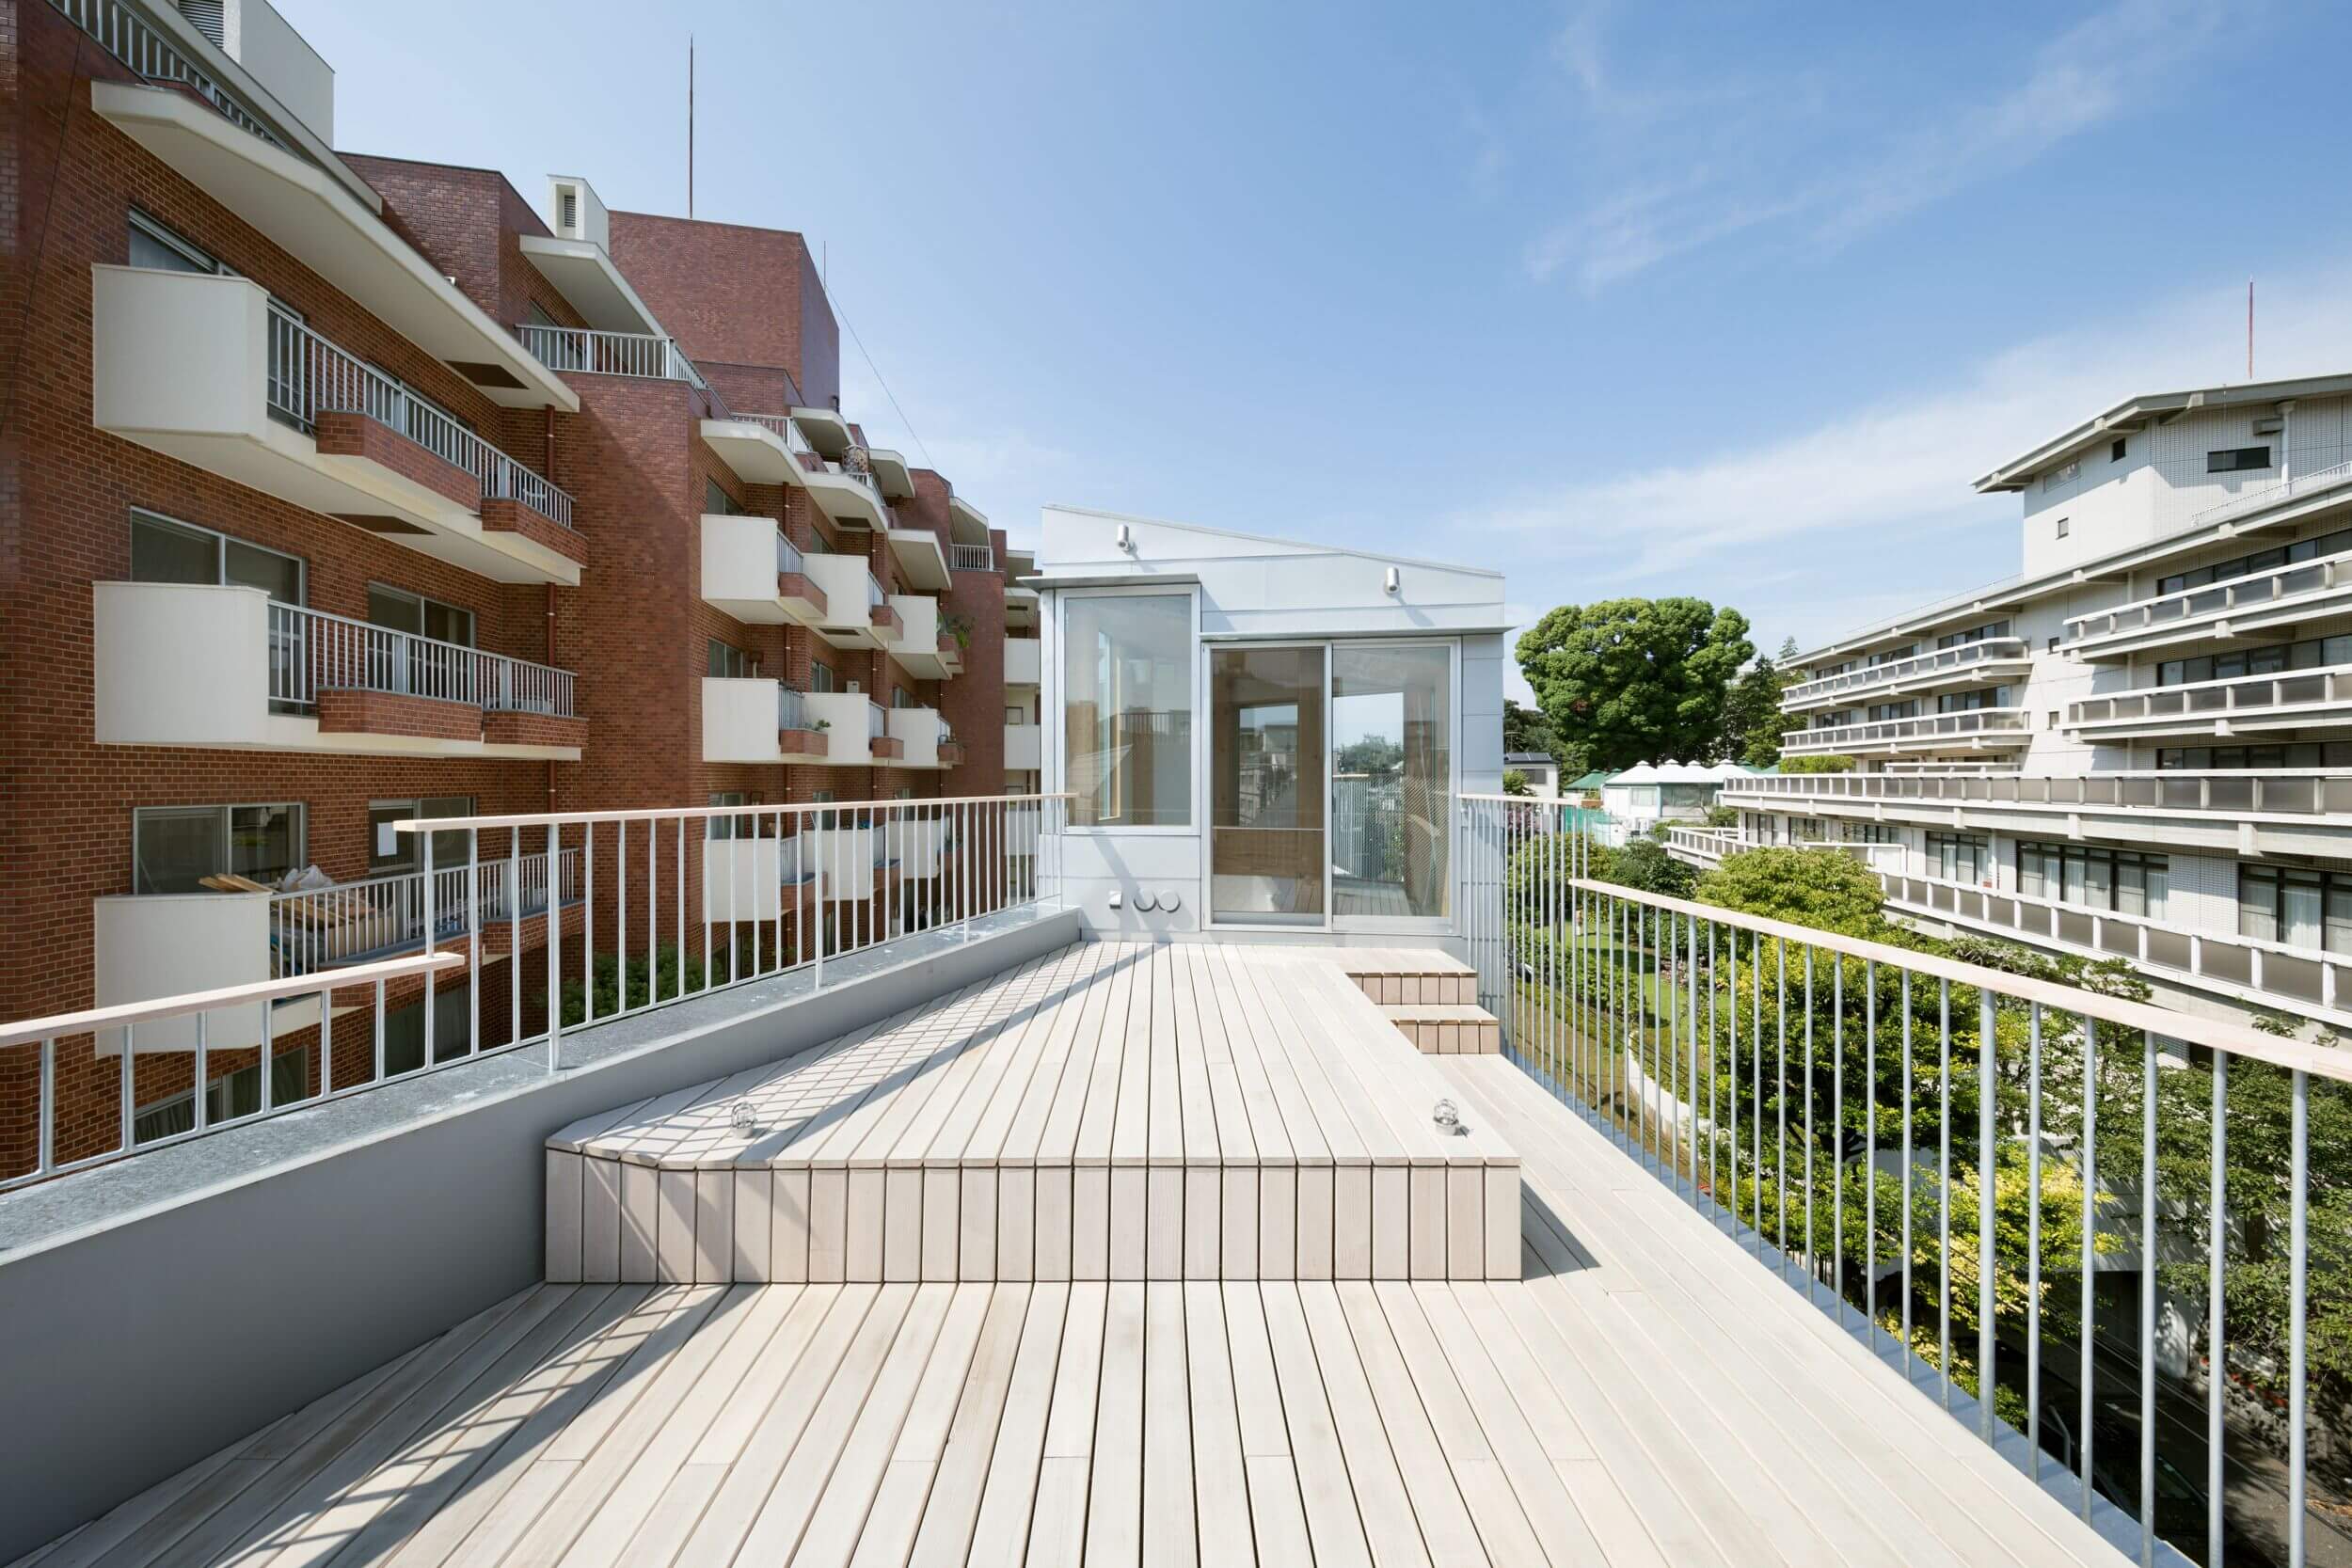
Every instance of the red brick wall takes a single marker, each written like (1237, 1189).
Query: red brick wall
(735, 295)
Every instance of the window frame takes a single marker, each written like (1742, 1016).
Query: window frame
(1055, 741)
(2237, 463)
(220, 551)
(226, 811)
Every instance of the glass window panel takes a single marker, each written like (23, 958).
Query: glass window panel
(1392, 780)
(395, 611)
(2159, 885)
(264, 841)
(173, 848)
(2299, 910)
(2258, 904)
(150, 246)
(1127, 715)
(2131, 886)
(1265, 784)
(166, 553)
(2339, 916)
(250, 566)
(449, 623)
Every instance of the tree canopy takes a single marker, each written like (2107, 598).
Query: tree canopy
(1636, 680)
(1752, 722)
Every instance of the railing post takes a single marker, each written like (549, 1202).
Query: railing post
(555, 957)
(1986, 1104)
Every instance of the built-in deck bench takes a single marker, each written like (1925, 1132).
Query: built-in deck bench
(1114, 1112)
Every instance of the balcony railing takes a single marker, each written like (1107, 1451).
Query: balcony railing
(124, 34)
(1712, 845)
(1954, 661)
(972, 558)
(316, 928)
(875, 598)
(2232, 793)
(1995, 1182)
(792, 711)
(1926, 729)
(308, 375)
(2218, 699)
(2270, 492)
(786, 431)
(637, 353)
(2281, 588)
(788, 562)
(876, 721)
(311, 651)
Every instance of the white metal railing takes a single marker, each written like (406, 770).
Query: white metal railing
(1957, 660)
(877, 720)
(592, 352)
(2278, 586)
(1712, 845)
(311, 651)
(1986, 1168)
(2308, 977)
(875, 598)
(791, 709)
(786, 431)
(121, 32)
(685, 901)
(2236, 792)
(309, 375)
(788, 562)
(972, 558)
(80, 1041)
(2269, 492)
(315, 929)
(1931, 728)
(2218, 699)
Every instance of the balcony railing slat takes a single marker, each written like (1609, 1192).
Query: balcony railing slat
(311, 651)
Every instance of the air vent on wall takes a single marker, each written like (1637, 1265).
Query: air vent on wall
(208, 17)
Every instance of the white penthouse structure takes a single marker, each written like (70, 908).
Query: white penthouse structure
(2141, 745)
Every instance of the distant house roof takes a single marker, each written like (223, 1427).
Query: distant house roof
(1540, 759)
(1593, 780)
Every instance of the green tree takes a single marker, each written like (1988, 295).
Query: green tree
(1752, 722)
(1645, 866)
(1515, 783)
(1636, 680)
(1525, 729)
(1814, 765)
(1825, 889)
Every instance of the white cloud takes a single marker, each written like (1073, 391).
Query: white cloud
(1681, 166)
(1869, 509)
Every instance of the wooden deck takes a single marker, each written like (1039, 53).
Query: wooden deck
(1114, 1112)
(1648, 1394)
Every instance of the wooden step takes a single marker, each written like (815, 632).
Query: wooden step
(1447, 1028)
(1395, 976)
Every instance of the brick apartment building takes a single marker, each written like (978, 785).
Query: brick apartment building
(339, 489)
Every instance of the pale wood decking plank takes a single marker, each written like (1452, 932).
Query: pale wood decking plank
(1164, 1133)
(837, 1517)
(1130, 1132)
(1114, 1520)
(1057, 1518)
(1220, 1474)
(978, 1508)
(1170, 1538)
(1334, 1526)
(1653, 1241)
(1408, 1522)
(855, 1314)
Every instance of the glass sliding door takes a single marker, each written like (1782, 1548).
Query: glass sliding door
(1265, 786)
(1391, 781)
(1127, 674)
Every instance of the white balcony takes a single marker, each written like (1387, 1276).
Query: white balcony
(2265, 602)
(898, 480)
(922, 560)
(1024, 747)
(1977, 730)
(755, 878)
(1021, 608)
(752, 572)
(2292, 700)
(1022, 661)
(857, 614)
(151, 946)
(852, 499)
(923, 738)
(182, 664)
(855, 729)
(826, 431)
(918, 645)
(313, 218)
(1993, 661)
(202, 367)
(756, 720)
(760, 449)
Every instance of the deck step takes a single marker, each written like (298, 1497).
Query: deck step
(1447, 1028)
(1397, 975)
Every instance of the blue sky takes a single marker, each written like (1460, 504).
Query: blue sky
(1650, 298)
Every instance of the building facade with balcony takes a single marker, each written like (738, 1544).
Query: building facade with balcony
(350, 489)
(2134, 748)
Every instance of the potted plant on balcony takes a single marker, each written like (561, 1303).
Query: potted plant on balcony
(958, 626)
(820, 725)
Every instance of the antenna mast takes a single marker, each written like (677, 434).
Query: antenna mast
(690, 126)
(2250, 329)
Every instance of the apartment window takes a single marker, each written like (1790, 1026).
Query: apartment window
(156, 247)
(2050, 646)
(2335, 543)
(165, 550)
(1880, 712)
(2309, 654)
(230, 1094)
(390, 852)
(2299, 907)
(717, 502)
(2062, 527)
(397, 610)
(2116, 447)
(1891, 655)
(1872, 832)
(2057, 722)
(2064, 473)
(1127, 682)
(2122, 881)
(902, 697)
(1959, 857)
(820, 678)
(731, 827)
(1969, 702)
(729, 663)
(822, 797)
(173, 848)
(2234, 460)
(1016, 716)
(1974, 634)
(2333, 753)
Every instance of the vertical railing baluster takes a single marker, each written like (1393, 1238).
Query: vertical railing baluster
(2216, 1267)
(2298, 1289)
(2148, 1299)
(1907, 1359)
(2033, 1238)
(1986, 1097)
(555, 955)
(2085, 1378)
(1870, 1149)
(1780, 1094)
